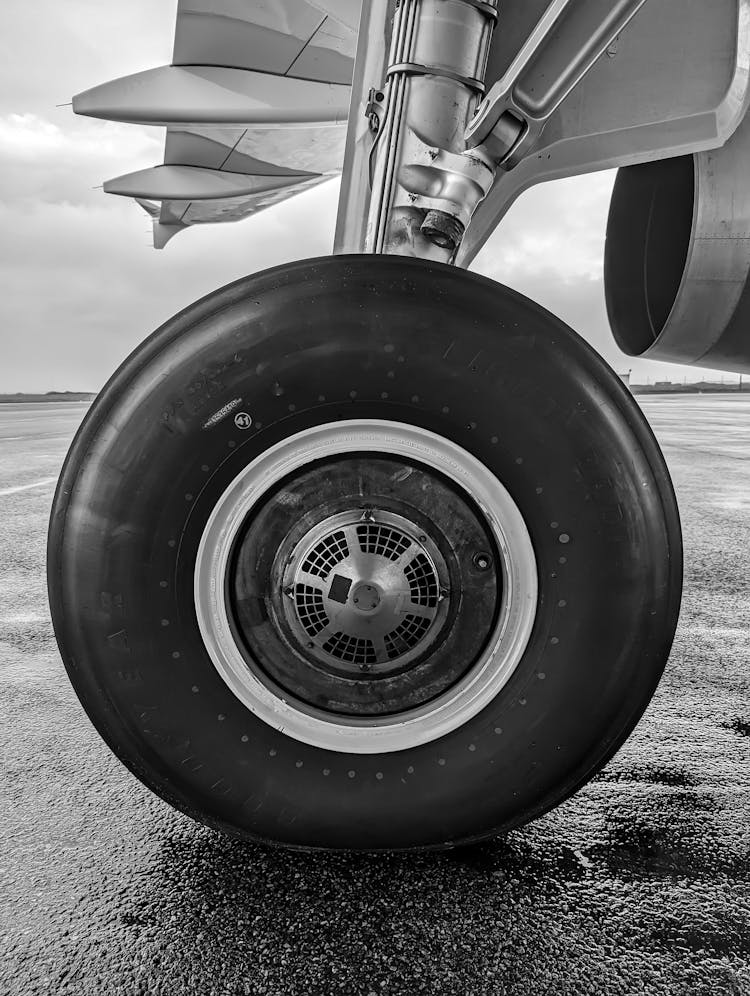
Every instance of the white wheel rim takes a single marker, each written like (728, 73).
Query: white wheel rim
(371, 734)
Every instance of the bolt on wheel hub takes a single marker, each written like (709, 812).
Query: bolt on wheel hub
(365, 590)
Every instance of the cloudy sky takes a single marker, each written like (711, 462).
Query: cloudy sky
(80, 284)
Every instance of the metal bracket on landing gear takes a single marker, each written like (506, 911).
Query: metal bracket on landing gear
(564, 45)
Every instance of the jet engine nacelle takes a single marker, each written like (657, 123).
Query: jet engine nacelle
(677, 258)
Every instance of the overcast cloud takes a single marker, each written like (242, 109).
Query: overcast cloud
(81, 285)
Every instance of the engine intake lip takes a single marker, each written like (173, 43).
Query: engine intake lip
(677, 257)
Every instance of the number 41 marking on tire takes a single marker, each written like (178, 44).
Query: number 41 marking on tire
(242, 420)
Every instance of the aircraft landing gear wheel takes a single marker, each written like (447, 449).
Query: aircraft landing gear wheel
(364, 552)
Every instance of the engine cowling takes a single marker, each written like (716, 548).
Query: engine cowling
(677, 258)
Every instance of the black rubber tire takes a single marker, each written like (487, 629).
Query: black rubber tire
(380, 337)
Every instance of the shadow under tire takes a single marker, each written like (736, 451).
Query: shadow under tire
(372, 350)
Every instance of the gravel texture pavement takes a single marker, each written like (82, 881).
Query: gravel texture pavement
(639, 885)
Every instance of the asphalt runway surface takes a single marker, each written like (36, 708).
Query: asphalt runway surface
(638, 885)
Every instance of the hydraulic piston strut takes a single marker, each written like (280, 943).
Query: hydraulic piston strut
(425, 184)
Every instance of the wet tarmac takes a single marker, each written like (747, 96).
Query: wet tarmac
(639, 885)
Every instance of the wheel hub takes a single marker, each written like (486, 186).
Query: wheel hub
(453, 511)
(354, 585)
(366, 590)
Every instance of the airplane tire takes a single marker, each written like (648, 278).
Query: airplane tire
(364, 553)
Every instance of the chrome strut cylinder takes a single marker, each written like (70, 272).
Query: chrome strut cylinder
(425, 184)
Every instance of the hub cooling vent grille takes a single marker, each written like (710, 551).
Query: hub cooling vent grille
(376, 538)
(349, 644)
(310, 609)
(406, 636)
(352, 649)
(326, 554)
(423, 584)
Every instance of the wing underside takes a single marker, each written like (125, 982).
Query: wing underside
(255, 104)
